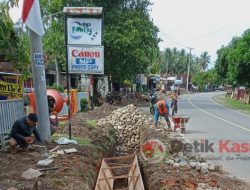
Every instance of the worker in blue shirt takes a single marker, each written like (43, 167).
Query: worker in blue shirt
(161, 108)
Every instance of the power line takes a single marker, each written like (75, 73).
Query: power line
(185, 26)
(214, 32)
(174, 41)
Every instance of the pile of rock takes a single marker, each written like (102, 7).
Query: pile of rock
(187, 160)
(186, 163)
(207, 186)
(128, 123)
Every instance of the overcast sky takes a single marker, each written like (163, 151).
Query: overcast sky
(204, 25)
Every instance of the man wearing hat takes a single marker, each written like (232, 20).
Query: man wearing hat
(24, 132)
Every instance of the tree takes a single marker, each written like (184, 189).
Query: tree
(131, 43)
(201, 79)
(233, 62)
(14, 47)
(204, 60)
(176, 62)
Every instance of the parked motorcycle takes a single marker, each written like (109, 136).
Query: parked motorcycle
(111, 98)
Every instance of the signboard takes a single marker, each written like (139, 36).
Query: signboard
(6, 66)
(86, 60)
(10, 88)
(83, 10)
(84, 31)
(38, 57)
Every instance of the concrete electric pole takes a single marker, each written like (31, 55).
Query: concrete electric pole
(39, 80)
(189, 63)
(31, 16)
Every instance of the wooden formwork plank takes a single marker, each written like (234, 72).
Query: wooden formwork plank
(119, 177)
(131, 180)
(115, 167)
(135, 184)
(99, 187)
(138, 183)
(107, 166)
(108, 183)
(106, 179)
(120, 157)
(117, 164)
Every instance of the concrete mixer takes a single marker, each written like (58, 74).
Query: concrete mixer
(55, 104)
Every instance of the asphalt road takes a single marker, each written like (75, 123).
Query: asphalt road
(216, 123)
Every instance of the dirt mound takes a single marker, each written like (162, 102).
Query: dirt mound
(137, 101)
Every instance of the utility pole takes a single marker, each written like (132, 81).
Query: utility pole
(39, 80)
(189, 62)
(31, 16)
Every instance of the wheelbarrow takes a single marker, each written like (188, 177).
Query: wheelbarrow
(180, 122)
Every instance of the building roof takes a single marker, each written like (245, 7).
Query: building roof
(171, 78)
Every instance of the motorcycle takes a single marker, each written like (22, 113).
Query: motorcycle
(111, 98)
(153, 101)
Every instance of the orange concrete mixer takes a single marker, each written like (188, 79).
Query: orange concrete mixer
(55, 102)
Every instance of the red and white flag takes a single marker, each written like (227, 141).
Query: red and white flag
(31, 16)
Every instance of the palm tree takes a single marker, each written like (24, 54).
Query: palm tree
(204, 60)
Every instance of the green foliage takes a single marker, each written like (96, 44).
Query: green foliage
(14, 44)
(84, 104)
(204, 60)
(201, 79)
(83, 141)
(59, 88)
(130, 40)
(92, 123)
(53, 42)
(8, 39)
(233, 63)
(127, 84)
(175, 61)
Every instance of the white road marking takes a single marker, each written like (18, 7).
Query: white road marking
(229, 108)
(226, 121)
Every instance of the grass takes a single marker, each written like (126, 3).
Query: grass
(233, 104)
(82, 141)
(92, 123)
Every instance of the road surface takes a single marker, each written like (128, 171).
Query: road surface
(216, 123)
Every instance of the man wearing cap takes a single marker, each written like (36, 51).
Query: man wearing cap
(24, 132)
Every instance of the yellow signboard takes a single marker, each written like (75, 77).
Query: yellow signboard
(10, 88)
